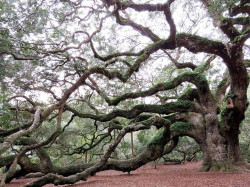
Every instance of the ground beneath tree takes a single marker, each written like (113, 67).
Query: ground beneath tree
(164, 176)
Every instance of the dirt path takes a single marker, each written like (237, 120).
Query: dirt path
(186, 175)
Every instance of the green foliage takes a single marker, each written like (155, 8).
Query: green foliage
(224, 110)
(219, 6)
(201, 67)
(149, 138)
(222, 83)
(124, 150)
(6, 115)
(158, 139)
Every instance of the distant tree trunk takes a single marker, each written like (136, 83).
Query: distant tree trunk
(132, 145)
(86, 157)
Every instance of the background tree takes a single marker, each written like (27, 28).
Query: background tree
(76, 72)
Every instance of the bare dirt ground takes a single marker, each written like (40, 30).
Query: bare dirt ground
(186, 175)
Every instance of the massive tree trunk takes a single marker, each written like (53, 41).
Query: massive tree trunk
(218, 141)
(220, 153)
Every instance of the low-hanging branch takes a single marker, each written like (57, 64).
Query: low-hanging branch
(9, 175)
(154, 149)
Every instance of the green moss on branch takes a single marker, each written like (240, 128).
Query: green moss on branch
(181, 127)
(201, 67)
(197, 44)
(189, 94)
(222, 83)
(180, 106)
(160, 139)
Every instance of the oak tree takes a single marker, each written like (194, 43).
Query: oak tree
(75, 72)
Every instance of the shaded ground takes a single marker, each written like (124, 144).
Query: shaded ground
(163, 176)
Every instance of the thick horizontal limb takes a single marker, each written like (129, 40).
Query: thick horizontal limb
(181, 106)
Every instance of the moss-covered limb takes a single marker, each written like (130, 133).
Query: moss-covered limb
(8, 160)
(197, 44)
(238, 20)
(94, 86)
(159, 139)
(184, 39)
(190, 94)
(135, 67)
(229, 29)
(116, 74)
(184, 65)
(247, 62)
(243, 37)
(33, 167)
(120, 165)
(180, 106)
(144, 6)
(222, 87)
(125, 62)
(173, 117)
(188, 124)
(173, 143)
(154, 121)
(86, 74)
(239, 9)
(196, 78)
(152, 152)
(181, 127)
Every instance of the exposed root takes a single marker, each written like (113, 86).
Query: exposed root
(222, 166)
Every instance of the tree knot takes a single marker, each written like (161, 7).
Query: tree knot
(229, 103)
